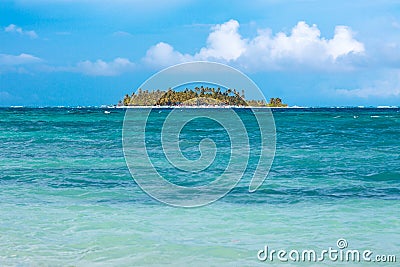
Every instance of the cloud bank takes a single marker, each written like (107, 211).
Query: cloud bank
(18, 63)
(15, 29)
(103, 68)
(12, 60)
(385, 87)
(302, 47)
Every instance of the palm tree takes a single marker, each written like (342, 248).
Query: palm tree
(126, 100)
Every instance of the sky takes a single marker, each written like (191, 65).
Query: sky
(90, 53)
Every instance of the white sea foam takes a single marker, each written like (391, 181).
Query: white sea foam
(387, 107)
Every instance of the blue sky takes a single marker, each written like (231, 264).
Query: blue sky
(310, 53)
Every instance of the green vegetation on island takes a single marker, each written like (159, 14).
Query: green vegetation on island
(199, 96)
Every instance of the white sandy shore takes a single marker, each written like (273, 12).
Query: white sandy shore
(252, 107)
(201, 106)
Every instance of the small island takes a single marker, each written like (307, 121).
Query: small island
(199, 96)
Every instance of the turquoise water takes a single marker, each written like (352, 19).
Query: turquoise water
(67, 197)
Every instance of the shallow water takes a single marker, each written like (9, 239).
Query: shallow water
(67, 197)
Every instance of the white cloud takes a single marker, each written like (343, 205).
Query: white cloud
(121, 34)
(387, 87)
(102, 68)
(343, 43)
(4, 95)
(303, 47)
(396, 24)
(11, 60)
(18, 63)
(224, 42)
(163, 54)
(19, 30)
(370, 92)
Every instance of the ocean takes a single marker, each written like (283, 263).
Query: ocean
(67, 197)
